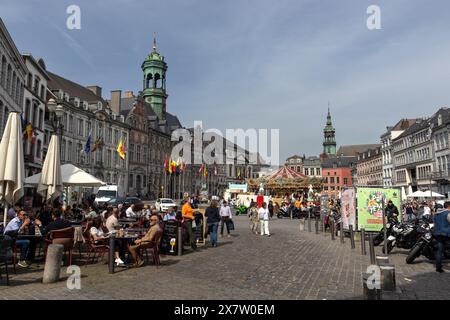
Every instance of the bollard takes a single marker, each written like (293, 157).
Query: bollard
(363, 242)
(302, 224)
(111, 253)
(370, 293)
(341, 231)
(309, 224)
(371, 249)
(388, 277)
(352, 237)
(317, 225)
(322, 223)
(53, 261)
(382, 260)
(332, 229)
(180, 240)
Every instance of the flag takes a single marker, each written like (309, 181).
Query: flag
(181, 165)
(170, 166)
(87, 146)
(205, 172)
(165, 166)
(174, 167)
(239, 173)
(215, 169)
(200, 171)
(121, 150)
(97, 144)
(28, 134)
(178, 166)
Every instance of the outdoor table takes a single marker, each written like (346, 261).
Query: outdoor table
(34, 239)
(112, 247)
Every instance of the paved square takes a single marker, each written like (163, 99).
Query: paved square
(291, 264)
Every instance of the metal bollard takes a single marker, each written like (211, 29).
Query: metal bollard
(53, 261)
(111, 253)
(352, 237)
(382, 260)
(388, 277)
(363, 242)
(309, 224)
(317, 225)
(371, 249)
(341, 231)
(332, 230)
(371, 293)
(322, 223)
(180, 240)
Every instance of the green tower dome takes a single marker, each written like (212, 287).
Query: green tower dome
(154, 92)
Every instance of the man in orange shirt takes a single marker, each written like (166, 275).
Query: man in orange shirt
(188, 217)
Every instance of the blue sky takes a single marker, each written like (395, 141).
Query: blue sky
(256, 63)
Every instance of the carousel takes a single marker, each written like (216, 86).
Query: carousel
(285, 181)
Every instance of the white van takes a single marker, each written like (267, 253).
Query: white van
(106, 193)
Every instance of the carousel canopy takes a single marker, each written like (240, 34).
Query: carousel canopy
(284, 173)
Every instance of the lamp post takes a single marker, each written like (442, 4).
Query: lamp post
(56, 113)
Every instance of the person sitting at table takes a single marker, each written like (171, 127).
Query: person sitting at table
(12, 212)
(130, 213)
(112, 223)
(171, 214)
(16, 226)
(92, 213)
(58, 223)
(99, 236)
(145, 242)
(68, 214)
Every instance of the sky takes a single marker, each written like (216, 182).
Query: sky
(256, 63)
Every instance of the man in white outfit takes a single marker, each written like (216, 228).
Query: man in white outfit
(264, 219)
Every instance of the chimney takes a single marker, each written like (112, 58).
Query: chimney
(129, 94)
(96, 90)
(116, 96)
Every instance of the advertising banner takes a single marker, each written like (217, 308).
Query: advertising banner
(348, 209)
(370, 206)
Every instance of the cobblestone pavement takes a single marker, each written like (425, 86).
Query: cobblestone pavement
(291, 264)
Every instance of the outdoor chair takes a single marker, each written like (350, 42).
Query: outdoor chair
(64, 237)
(97, 250)
(154, 251)
(6, 247)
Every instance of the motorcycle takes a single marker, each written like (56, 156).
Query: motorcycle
(427, 246)
(283, 213)
(379, 238)
(241, 210)
(405, 235)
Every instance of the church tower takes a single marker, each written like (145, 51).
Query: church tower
(154, 93)
(329, 133)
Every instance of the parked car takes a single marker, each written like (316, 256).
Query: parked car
(126, 202)
(163, 204)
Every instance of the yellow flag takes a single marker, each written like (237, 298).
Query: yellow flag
(121, 150)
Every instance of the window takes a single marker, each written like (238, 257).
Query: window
(317, 172)
(109, 135)
(345, 181)
(36, 85)
(80, 127)
(41, 119)
(69, 151)
(42, 92)
(332, 180)
(131, 152)
(27, 110)
(38, 149)
(3, 74)
(116, 136)
(108, 158)
(63, 150)
(79, 152)
(326, 179)
(71, 123)
(306, 171)
(130, 182)
(337, 179)
(8, 78)
(30, 80)
(88, 128)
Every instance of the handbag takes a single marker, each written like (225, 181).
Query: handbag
(230, 224)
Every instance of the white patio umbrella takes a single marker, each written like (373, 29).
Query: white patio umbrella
(12, 168)
(403, 193)
(428, 194)
(417, 194)
(50, 185)
(71, 176)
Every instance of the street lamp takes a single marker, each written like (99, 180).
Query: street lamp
(56, 113)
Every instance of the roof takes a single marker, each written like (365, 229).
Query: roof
(18, 57)
(57, 82)
(285, 173)
(339, 162)
(419, 125)
(353, 150)
(293, 157)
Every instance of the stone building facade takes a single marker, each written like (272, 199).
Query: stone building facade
(370, 168)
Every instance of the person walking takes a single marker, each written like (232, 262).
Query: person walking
(188, 217)
(254, 218)
(442, 233)
(225, 218)
(263, 213)
(213, 217)
(409, 212)
(270, 207)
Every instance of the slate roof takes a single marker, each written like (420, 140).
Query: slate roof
(353, 150)
(73, 89)
(340, 162)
